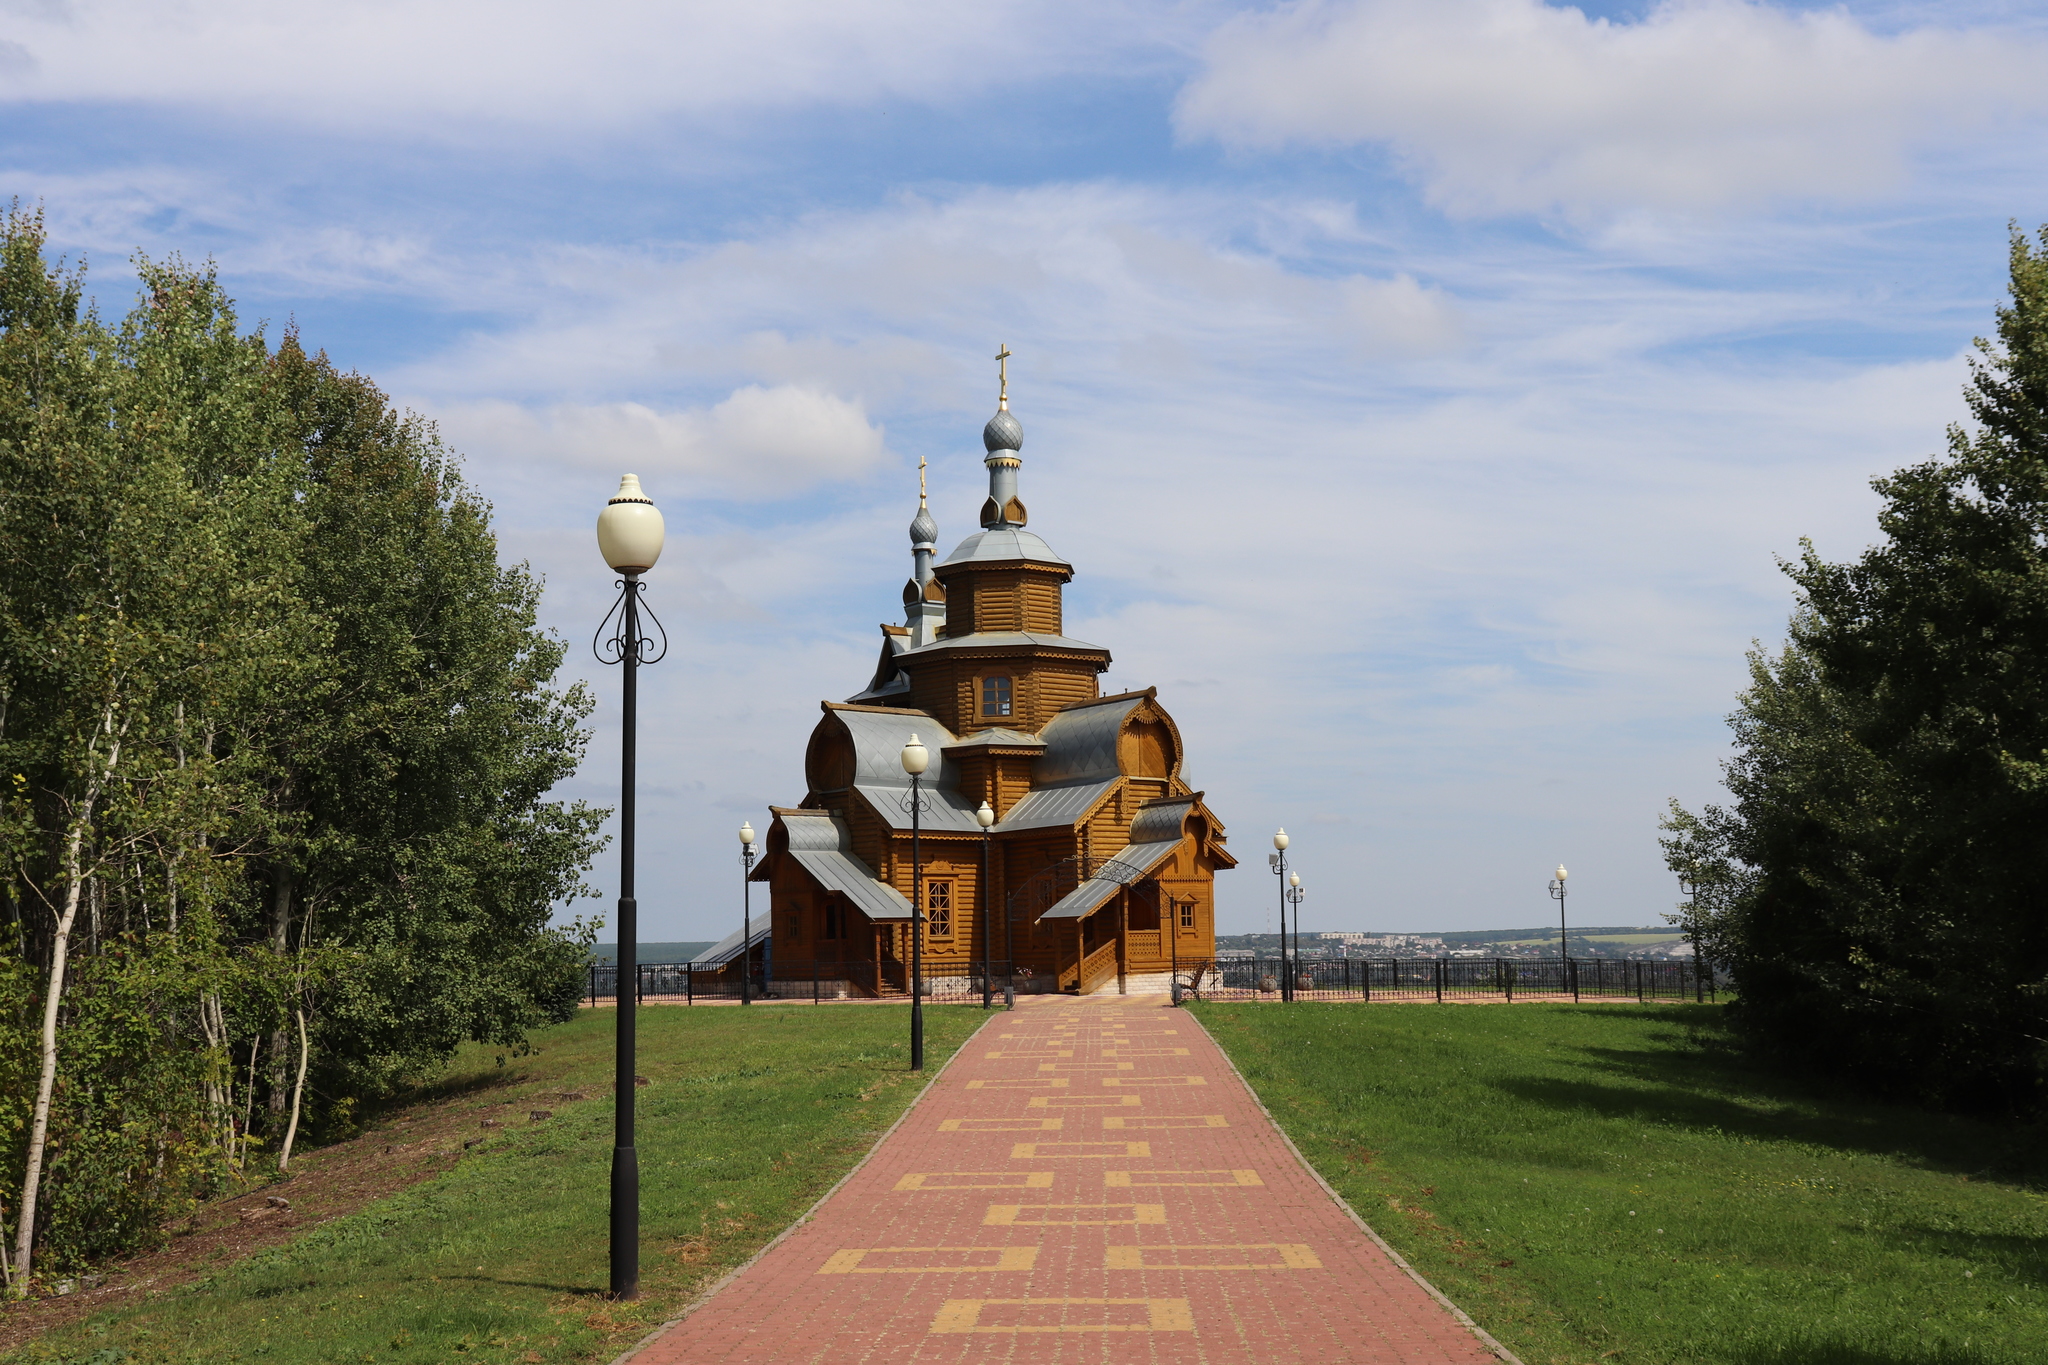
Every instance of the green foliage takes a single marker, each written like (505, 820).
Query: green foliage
(1619, 1183)
(276, 735)
(1875, 884)
(751, 1115)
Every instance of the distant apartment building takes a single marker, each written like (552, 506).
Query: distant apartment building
(1387, 942)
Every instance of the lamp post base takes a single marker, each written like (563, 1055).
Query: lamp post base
(625, 1223)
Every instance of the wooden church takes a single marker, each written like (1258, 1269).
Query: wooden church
(1097, 869)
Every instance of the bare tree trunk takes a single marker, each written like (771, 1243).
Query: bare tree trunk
(280, 937)
(39, 1122)
(291, 1132)
(249, 1096)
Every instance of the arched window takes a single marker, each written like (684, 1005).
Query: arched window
(995, 695)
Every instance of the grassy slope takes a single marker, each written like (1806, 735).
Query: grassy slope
(749, 1117)
(1609, 1183)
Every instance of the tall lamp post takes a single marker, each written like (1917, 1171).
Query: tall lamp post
(1278, 862)
(746, 911)
(629, 536)
(986, 818)
(1557, 894)
(916, 758)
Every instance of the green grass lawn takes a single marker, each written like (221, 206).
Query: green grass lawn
(749, 1117)
(1613, 1183)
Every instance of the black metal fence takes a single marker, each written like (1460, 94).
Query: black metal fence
(1231, 978)
(690, 983)
(1451, 979)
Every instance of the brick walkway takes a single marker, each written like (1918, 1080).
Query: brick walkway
(1088, 1181)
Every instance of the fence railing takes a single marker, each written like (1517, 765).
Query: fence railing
(1232, 978)
(1452, 978)
(689, 983)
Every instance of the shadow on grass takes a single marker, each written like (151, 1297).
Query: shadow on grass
(1692, 1084)
(2024, 1258)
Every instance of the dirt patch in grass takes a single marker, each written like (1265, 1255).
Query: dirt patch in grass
(413, 1143)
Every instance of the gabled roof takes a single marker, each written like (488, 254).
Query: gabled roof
(1123, 870)
(728, 948)
(889, 680)
(819, 843)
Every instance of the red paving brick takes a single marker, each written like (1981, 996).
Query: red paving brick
(1087, 1181)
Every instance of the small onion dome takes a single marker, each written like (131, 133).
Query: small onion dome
(923, 530)
(1003, 432)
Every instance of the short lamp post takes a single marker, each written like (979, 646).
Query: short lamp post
(916, 758)
(629, 535)
(1557, 894)
(986, 818)
(1689, 887)
(746, 912)
(1278, 862)
(1294, 893)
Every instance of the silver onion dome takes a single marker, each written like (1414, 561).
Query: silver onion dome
(1003, 432)
(923, 530)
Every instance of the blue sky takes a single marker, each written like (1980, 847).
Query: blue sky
(1422, 388)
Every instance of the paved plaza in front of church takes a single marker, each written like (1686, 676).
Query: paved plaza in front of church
(1087, 1180)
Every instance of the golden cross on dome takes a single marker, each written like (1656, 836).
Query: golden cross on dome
(1003, 375)
(920, 481)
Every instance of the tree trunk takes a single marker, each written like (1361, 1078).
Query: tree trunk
(280, 937)
(291, 1132)
(39, 1121)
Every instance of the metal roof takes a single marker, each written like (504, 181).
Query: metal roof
(878, 740)
(1000, 738)
(998, 639)
(822, 847)
(1158, 820)
(1048, 807)
(1080, 742)
(1001, 545)
(728, 948)
(1125, 868)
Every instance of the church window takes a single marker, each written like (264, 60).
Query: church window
(1187, 913)
(995, 695)
(835, 918)
(938, 909)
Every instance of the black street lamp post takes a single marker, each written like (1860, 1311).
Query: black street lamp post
(915, 760)
(1689, 887)
(746, 911)
(1557, 894)
(629, 535)
(1293, 894)
(1278, 861)
(986, 818)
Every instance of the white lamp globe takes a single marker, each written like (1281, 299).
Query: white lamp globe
(1280, 841)
(747, 833)
(985, 816)
(630, 530)
(1294, 880)
(916, 758)
(1560, 872)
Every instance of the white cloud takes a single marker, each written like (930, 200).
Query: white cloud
(412, 66)
(907, 299)
(759, 442)
(1515, 105)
